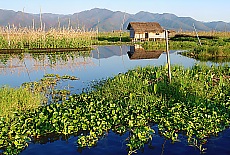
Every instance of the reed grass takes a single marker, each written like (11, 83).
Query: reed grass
(24, 38)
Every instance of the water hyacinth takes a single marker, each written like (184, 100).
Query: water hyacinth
(196, 104)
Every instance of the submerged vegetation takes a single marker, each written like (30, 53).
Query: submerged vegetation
(196, 104)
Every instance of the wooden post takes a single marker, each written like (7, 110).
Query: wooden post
(33, 27)
(69, 24)
(59, 24)
(168, 58)
(41, 18)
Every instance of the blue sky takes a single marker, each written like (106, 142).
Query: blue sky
(202, 10)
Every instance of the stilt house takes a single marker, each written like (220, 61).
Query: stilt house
(145, 31)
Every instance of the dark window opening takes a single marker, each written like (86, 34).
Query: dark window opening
(146, 35)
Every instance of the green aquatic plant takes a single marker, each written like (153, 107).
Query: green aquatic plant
(18, 99)
(211, 48)
(69, 77)
(47, 87)
(196, 104)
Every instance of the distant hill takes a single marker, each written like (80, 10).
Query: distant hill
(106, 20)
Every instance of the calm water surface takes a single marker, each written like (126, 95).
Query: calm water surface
(103, 62)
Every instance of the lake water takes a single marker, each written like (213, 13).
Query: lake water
(103, 62)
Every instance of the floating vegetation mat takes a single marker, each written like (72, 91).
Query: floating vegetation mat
(196, 104)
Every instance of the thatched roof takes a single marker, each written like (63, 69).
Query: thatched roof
(145, 27)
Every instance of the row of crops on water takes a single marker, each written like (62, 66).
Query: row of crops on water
(24, 38)
(62, 38)
(195, 104)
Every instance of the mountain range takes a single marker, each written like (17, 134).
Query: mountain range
(107, 20)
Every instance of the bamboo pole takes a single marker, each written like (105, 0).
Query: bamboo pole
(41, 18)
(168, 58)
(33, 25)
(59, 23)
(69, 24)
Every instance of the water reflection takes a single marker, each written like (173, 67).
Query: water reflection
(102, 62)
(107, 52)
(29, 62)
(138, 52)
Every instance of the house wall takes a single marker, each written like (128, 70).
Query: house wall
(132, 33)
(141, 36)
(159, 35)
(151, 35)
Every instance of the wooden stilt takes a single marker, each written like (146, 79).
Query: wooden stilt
(168, 58)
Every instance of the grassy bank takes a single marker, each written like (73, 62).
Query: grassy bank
(196, 104)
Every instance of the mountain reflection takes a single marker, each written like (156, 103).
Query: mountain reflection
(108, 51)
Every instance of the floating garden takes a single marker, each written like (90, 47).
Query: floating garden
(212, 47)
(195, 104)
(29, 39)
(18, 40)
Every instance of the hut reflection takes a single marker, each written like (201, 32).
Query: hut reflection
(138, 52)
